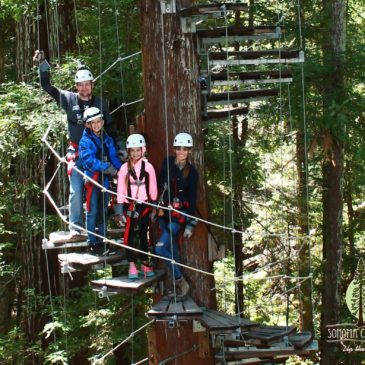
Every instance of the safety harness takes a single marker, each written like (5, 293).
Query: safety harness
(102, 153)
(133, 211)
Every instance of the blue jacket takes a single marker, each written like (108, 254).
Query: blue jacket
(96, 153)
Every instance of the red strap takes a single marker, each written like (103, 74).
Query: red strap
(89, 186)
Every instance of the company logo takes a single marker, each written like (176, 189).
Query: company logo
(350, 335)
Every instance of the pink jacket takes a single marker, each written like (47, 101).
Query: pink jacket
(137, 193)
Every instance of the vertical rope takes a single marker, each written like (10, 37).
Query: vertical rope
(305, 154)
(77, 29)
(120, 67)
(230, 149)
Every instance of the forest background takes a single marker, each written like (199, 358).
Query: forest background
(293, 179)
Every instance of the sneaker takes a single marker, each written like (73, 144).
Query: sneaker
(147, 271)
(74, 233)
(132, 272)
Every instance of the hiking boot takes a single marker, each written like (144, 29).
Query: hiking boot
(147, 271)
(182, 287)
(132, 272)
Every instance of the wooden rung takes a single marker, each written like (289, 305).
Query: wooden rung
(208, 9)
(301, 339)
(252, 361)
(238, 34)
(269, 333)
(122, 284)
(60, 237)
(257, 75)
(167, 308)
(219, 321)
(272, 352)
(49, 245)
(224, 113)
(86, 260)
(236, 97)
(254, 55)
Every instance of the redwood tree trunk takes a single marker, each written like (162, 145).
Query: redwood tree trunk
(333, 94)
(172, 105)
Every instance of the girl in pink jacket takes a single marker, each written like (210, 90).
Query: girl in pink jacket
(136, 179)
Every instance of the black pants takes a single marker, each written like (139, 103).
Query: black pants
(135, 234)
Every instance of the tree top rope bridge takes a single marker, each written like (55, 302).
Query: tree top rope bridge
(224, 330)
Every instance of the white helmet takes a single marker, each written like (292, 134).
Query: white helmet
(91, 114)
(83, 75)
(136, 140)
(183, 140)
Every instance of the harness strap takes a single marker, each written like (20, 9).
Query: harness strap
(89, 187)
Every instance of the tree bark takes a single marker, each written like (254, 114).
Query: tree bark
(334, 42)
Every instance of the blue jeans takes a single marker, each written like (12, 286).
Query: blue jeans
(163, 246)
(76, 198)
(97, 216)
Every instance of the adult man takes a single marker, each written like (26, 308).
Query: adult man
(74, 105)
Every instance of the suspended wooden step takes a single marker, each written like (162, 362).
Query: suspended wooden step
(64, 239)
(238, 97)
(208, 9)
(252, 361)
(248, 78)
(122, 284)
(223, 114)
(282, 349)
(255, 57)
(168, 309)
(267, 335)
(301, 339)
(238, 34)
(85, 261)
(221, 322)
(116, 233)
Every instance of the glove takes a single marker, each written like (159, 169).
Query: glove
(120, 220)
(153, 215)
(110, 170)
(40, 59)
(189, 228)
(39, 56)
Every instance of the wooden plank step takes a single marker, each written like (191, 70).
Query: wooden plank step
(247, 78)
(254, 55)
(224, 113)
(282, 350)
(268, 333)
(251, 361)
(240, 58)
(301, 339)
(238, 34)
(122, 284)
(208, 9)
(60, 237)
(86, 261)
(219, 321)
(167, 308)
(236, 97)
(49, 245)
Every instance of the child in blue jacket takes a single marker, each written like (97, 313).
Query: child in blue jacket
(100, 161)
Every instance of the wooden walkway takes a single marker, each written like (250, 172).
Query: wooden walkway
(168, 309)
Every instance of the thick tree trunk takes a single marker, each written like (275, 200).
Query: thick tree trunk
(333, 94)
(172, 105)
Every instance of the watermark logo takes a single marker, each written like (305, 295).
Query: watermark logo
(350, 335)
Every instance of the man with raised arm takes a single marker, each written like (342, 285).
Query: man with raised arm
(74, 104)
